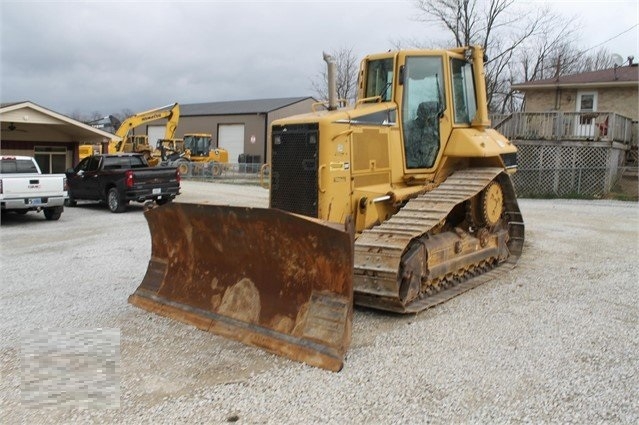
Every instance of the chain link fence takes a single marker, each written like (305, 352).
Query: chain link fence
(544, 170)
(225, 173)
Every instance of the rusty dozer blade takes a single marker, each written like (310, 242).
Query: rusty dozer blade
(264, 277)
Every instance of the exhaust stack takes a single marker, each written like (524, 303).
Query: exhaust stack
(332, 81)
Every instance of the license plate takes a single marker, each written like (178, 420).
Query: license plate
(157, 191)
(35, 201)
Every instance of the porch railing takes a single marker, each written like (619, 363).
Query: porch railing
(595, 126)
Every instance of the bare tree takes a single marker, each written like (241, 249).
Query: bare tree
(86, 117)
(600, 59)
(123, 114)
(347, 66)
(95, 116)
(548, 53)
(76, 115)
(500, 29)
(521, 45)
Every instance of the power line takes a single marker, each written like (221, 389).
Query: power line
(612, 38)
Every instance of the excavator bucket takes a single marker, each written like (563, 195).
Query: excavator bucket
(264, 277)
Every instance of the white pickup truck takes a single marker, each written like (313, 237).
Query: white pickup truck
(24, 188)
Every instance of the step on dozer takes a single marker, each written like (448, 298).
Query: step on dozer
(264, 277)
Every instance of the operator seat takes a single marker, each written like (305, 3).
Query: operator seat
(422, 138)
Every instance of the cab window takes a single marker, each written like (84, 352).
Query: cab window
(463, 91)
(422, 107)
(379, 80)
(94, 163)
(82, 165)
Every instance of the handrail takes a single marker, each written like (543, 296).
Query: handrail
(262, 168)
(504, 120)
(377, 99)
(319, 178)
(578, 126)
(347, 132)
(341, 103)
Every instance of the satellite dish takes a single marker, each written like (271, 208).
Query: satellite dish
(617, 59)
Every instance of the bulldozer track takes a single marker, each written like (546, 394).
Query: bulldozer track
(379, 251)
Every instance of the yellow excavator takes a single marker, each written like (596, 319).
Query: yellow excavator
(397, 203)
(140, 143)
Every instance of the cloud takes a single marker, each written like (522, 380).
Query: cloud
(109, 56)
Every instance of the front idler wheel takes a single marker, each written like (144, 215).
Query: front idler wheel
(487, 207)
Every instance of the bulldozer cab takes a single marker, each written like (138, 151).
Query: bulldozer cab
(423, 84)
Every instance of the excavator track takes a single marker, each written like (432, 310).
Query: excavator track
(420, 257)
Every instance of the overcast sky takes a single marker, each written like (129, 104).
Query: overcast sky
(100, 56)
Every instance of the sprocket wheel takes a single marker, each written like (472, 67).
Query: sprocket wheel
(491, 203)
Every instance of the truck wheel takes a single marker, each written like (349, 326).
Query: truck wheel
(70, 201)
(53, 213)
(216, 169)
(164, 200)
(114, 201)
(182, 166)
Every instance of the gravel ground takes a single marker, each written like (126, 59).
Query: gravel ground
(556, 340)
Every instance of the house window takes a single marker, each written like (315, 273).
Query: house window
(587, 103)
(50, 159)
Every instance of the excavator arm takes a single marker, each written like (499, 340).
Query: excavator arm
(172, 123)
(171, 112)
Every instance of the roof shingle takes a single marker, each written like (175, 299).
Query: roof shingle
(622, 75)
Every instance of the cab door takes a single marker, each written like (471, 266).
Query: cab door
(83, 179)
(585, 119)
(91, 179)
(423, 105)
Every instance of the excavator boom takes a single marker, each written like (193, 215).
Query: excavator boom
(170, 112)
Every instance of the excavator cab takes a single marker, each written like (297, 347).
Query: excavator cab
(398, 202)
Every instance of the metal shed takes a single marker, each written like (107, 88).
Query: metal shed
(241, 127)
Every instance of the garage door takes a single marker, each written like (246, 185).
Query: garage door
(231, 138)
(155, 132)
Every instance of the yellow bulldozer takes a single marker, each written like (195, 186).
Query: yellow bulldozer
(398, 202)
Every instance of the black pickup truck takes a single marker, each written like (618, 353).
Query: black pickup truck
(117, 179)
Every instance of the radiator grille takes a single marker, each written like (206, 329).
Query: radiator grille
(294, 166)
(510, 159)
